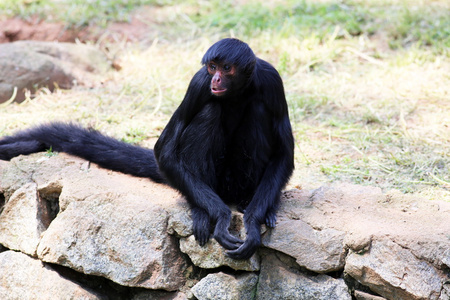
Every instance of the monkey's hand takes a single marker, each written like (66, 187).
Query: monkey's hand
(247, 249)
(251, 244)
(223, 236)
(201, 226)
(271, 219)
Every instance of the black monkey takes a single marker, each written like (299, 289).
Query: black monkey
(229, 142)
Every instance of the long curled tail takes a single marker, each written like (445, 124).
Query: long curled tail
(91, 145)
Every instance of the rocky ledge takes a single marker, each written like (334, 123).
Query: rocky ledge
(70, 230)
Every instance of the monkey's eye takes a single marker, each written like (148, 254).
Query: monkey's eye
(212, 67)
(227, 68)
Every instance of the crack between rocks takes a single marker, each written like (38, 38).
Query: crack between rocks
(2, 201)
(412, 252)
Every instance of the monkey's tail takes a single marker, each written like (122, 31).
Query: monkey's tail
(89, 144)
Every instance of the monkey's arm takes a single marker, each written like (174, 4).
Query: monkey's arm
(264, 204)
(262, 208)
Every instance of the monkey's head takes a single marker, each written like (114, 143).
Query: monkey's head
(230, 63)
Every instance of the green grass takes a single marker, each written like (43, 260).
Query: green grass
(291, 17)
(405, 25)
(367, 82)
(135, 135)
(50, 152)
(74, 13)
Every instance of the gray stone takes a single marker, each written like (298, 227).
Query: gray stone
(394, 272)
(120, 237)
(221, 286)
(279, 280)
(180, 222)
(445, 293)
(212, 255)
(320, 251)
(365, 296)
(159, 295)
(23, 219)
(26, 278)
(109, 224)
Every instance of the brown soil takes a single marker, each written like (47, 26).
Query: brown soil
(16, 29)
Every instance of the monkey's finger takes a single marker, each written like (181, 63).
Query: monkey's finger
(202, 237)
(245, 251)
(271, 219)
(228, 241)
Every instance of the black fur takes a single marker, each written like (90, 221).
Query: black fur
(232, 149)
(88, 144)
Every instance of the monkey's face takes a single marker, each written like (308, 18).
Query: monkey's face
(225, 79)
(222, 76)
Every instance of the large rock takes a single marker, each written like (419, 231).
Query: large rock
(158, 295)
(26, 278)
(85, 237)
(31, 65)
(221, 286)
(321, 251)
(212, 254)
(23, 220)
(282, 280)
(394, 272)
(398, 245)
(104, 228)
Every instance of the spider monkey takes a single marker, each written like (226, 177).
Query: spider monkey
(229, 142)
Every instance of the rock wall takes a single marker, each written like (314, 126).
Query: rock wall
(69, 230)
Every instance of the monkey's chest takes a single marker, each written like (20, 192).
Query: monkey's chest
(239, 168)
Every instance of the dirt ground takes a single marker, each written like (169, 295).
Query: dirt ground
(16, 29)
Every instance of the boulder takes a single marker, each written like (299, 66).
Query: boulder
(397, 245)
(393, 271)
(366, 296)
(23, 220)
(29, 65)
(221, 286)
(84, 237)
(321, 251)
(158, 295)
(280, 279)
(26, 278)
(211, 255)
(84, 233)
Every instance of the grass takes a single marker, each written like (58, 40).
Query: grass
(75, 13)
(367, 82)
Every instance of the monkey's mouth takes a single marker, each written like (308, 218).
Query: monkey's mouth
(218, 91)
